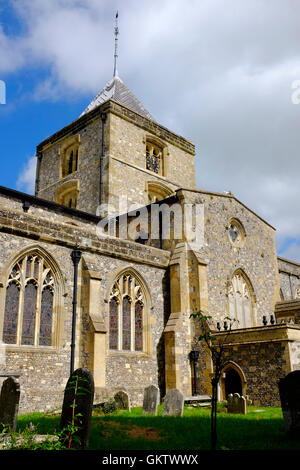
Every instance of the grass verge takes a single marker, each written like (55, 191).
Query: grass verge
(260, 429)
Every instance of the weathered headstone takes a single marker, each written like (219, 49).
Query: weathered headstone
(289, 391)
(122, 400)
(173, 405)
(151, 400)
(9, 403)
(77, 408)
(237, 404)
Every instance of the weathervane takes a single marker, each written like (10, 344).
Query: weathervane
(116, 45)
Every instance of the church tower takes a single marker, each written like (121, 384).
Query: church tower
(115, 148)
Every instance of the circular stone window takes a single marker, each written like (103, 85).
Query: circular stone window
(236, 232)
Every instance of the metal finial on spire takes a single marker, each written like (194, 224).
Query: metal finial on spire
(116, 46)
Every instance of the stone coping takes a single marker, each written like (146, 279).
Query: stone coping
(260, 334)
(227, 195)
(287, 306)
(126, 113)
(288, 261)
(40, 227)
(10, 374)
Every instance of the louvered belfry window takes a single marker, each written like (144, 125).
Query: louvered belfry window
(29, 303)
(126, 315)
(153, 158)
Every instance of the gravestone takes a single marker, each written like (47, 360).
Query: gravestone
(122, 400)
(77, 408)
(9, 403)
(173, 405)
(151, 400)
(236, 404)
(289, 391)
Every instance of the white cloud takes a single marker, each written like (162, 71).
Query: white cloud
(219, 73)
(26, 178)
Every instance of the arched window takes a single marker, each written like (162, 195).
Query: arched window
(69, 162)
(67, 194)
(240, 301)
(297, 293)
(29, 303)
(157, 192)
(154, 158)
(127, 315)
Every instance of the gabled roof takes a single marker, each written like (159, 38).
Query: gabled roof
(115, 89)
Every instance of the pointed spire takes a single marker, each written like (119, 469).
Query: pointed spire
(116, 46)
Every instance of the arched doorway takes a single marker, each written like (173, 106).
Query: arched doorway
(232, 382)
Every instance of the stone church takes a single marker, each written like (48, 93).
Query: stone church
(133, 295)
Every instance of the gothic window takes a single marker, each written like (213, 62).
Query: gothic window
(240, 302)
(126, 315)
(29, 303)
(154, 158)
(69, 162)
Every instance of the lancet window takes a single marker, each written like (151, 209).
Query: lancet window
(240, 302)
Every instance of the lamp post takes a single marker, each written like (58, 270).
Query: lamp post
(194, 356)
(76, 257)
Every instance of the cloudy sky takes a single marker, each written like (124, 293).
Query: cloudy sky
(225, 74)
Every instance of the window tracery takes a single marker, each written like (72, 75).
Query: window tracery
(240, 301)
(29, 303)
(126, 314)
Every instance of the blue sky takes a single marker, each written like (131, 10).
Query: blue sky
(219, 73)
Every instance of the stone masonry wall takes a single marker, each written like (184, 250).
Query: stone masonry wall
(289, 273)
(263, 365)
(127, 165)
(124, 161)
(88, 168)
(44, 370)
(256, 257)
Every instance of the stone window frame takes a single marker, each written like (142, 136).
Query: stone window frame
(161, 148)
(69, 191)
(247, 292)
(144, 296)
(236, 226)
(296, 292)
(231, 365)
(157, 191)
(71, 144)
(58, 301)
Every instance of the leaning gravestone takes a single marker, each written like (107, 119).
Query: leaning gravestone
(9, 403)
(289, 391)
(77, 408)
(173, 405)
(237, 404)
(122, 400)
(151, 400)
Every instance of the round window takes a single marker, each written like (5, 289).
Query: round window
(236, 232)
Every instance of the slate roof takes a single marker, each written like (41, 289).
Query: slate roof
(117, 90)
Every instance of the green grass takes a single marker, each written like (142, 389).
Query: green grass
(133, 431)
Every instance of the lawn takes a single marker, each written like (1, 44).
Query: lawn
(260, 429)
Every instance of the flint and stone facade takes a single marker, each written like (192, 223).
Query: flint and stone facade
(235, 270)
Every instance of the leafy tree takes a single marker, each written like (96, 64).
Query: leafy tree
(216, 346)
